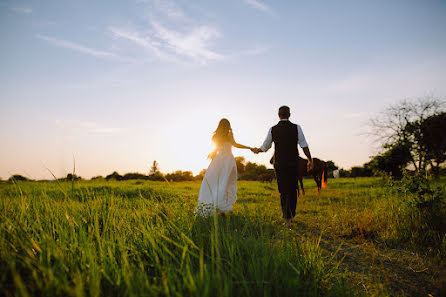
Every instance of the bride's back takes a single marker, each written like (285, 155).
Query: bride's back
(223, 137)
(225, 147)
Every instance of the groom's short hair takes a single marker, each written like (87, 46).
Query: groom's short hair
(284, 112)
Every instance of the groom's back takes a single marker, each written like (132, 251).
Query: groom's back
(285, 140)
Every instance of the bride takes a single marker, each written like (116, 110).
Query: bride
(218, 191)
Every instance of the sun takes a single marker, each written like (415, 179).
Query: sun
(190, 144)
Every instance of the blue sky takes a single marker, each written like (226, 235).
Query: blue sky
(118, 84)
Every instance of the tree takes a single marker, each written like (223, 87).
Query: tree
(18, 177)
(154, 173)
(252, 171)
(393, 160)
(344, 173)
(157, 177)
(433, 135)
(180, 176)
(240, 163)
(71, 177)
(113, 176)
(331, 165)
(399, 127)
(154, 169)
(134, 175)
(200, 175)
(360, 171)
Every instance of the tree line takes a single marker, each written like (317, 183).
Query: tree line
(246, 171)
(412, 134)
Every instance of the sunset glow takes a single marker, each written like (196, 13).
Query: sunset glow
(117, 85)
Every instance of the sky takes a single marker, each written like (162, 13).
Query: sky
(113, 85)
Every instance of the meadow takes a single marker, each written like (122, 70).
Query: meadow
(360, 237)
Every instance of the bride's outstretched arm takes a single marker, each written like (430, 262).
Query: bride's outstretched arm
(238, 145)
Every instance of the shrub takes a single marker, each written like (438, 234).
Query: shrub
(71, 177)
(130, 176)
(180, 176)
(422, 219)
(113, 176)
(158, 176)
(17, 177)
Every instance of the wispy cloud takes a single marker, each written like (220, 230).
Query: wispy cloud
(79, 126)
(144, 41)
(193, 44)
(170, 45)
(171, 10)
(22, 10)
(78, 47)
(173, 35)
(260, 6)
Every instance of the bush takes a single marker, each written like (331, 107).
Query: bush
(251, 170)
(113, 176)
(17, 177)
(344, 173)
(360, 172)
(71, 177)
(130, 176)
(422, 218)
(157, 176)
(180, 176)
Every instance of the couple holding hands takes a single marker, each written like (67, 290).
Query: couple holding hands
(218, 191)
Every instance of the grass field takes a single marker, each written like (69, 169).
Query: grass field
(141, 238)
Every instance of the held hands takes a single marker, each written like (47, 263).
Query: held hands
(255, 150)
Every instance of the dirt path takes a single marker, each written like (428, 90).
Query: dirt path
(374, 268)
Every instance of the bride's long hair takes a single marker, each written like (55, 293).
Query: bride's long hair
(222, 134)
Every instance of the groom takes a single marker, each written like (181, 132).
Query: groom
(286, 136)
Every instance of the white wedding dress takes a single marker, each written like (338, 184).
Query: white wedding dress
(218, 191)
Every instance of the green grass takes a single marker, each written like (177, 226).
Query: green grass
(142, 239)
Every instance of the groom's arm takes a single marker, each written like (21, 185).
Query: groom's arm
(267, 143)
(304, 145)
(307, 153)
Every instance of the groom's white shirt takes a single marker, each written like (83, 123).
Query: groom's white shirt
(269, 139)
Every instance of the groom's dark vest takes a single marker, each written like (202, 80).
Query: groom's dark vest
(285, 144)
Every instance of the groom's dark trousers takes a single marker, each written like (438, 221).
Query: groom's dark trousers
(286, 182)
(284, 136)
